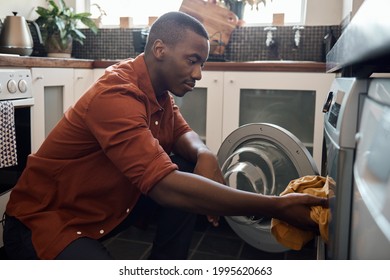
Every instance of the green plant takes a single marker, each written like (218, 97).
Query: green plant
(62, 22)
(237, 6)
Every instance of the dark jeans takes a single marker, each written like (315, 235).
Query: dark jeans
(172, 239)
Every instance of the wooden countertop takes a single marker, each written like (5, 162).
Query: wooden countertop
(265, 66)
(31, 61)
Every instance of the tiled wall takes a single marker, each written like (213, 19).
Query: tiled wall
(246, 44)
(249, 43)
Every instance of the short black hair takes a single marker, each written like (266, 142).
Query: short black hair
(171, 28)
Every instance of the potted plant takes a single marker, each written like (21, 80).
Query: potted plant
(98, 20)
(237, 6)
(59, 27)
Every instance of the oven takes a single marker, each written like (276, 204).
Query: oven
(16, 98)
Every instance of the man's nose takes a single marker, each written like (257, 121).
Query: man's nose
(197, 73)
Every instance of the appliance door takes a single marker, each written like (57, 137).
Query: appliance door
(370, 227)
(10, 175)
(342, 113)
(262, 158)
(339, 163)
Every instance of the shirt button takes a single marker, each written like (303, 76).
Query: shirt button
(101, 231)
(79, 232)
(156, 122)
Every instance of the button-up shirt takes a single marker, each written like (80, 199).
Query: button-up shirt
(110, 147)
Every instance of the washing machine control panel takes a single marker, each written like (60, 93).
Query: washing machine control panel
(335, 106)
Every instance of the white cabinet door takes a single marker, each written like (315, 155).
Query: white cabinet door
(53, 92)
(291, 100)
(83, 79)
(213, 83)
(97, 73)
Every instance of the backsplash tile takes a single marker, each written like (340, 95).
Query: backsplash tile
(249, 43)
(115, 43)
(246, 44)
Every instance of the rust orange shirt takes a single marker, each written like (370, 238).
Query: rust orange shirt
(110, 147)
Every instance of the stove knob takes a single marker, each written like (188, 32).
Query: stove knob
(12, 86)
(22, 85)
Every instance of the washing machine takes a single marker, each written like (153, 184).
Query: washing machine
(370, 223)
(263, 158)
(342, 115)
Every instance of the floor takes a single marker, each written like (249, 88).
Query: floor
(209, 243)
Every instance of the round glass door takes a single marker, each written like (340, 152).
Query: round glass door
(262, 158)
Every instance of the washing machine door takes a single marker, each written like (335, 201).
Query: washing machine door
(262, 158)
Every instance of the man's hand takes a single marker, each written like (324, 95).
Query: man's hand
(295, 209)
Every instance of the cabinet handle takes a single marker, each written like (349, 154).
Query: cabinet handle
(215, 80)
(231, 81)
(80, 78)
(40, 77)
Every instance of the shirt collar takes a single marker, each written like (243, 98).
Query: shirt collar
(145, 84)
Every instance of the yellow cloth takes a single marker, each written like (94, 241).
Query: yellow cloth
(296, 238)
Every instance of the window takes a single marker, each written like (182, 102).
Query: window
(138, 10)
(294, 11)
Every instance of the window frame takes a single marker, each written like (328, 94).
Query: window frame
(88, 3)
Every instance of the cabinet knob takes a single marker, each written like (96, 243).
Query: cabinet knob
(231, 81)
(215, 80)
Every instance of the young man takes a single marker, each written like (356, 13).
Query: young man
(110, 154)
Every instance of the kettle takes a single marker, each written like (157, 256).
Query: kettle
(15, 37)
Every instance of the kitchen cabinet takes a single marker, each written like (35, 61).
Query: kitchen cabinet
(83, 79)
(53, 91)
(97, 73)
(292, 100)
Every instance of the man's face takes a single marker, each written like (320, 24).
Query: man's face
(183, 63)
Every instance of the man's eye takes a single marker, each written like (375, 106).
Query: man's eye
(192, 61)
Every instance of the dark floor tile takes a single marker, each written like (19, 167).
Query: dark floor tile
(220, 245)
(308, 252)
(206, 256)
(301, 255)
(251, 253)
(196, 238)
(128, 250)
(134, 233)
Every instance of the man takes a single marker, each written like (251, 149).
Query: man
(110, 154)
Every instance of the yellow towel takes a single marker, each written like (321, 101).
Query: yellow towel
(295, 238)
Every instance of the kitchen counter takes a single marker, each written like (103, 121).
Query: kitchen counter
(48, 62)
(263, 66)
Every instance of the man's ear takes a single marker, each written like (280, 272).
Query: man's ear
(159, 49)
